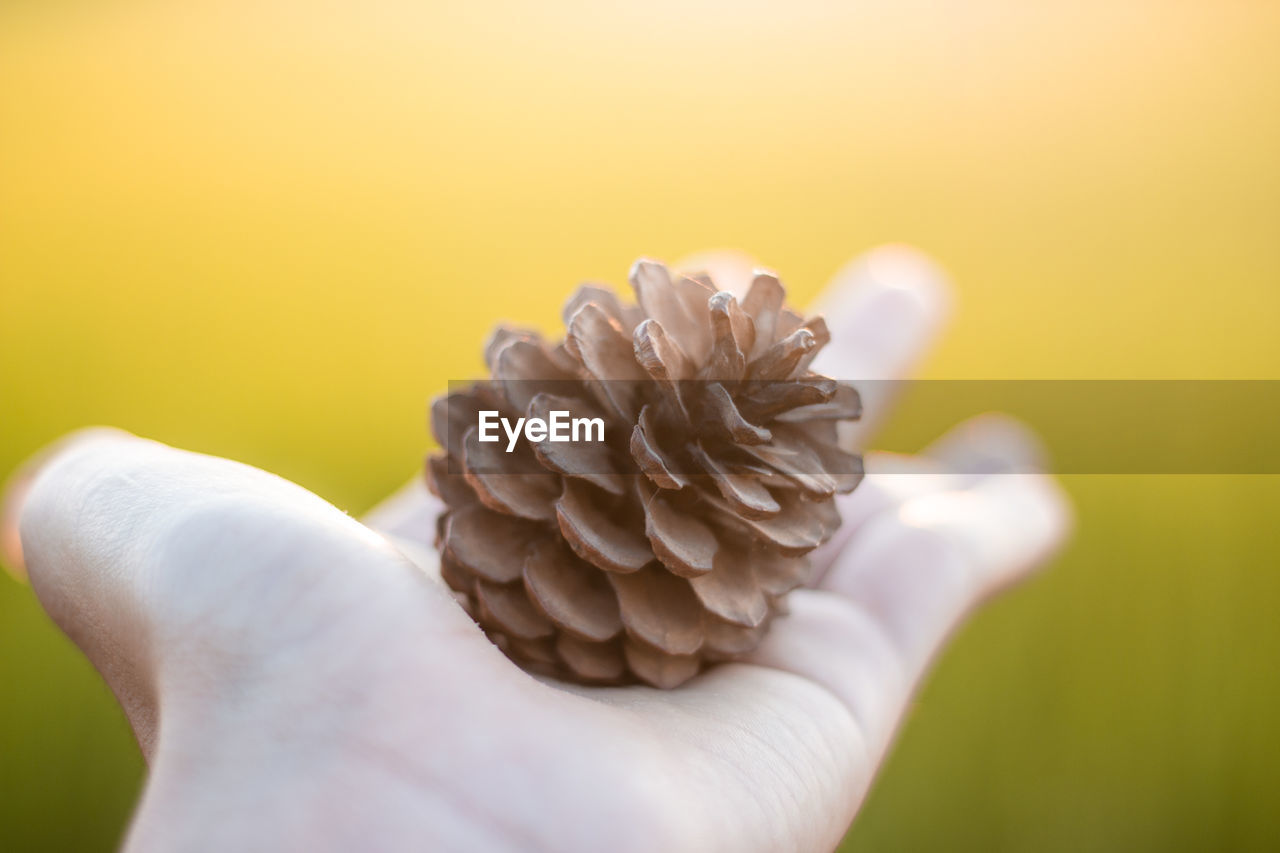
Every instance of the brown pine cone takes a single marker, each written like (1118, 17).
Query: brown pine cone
(671, 543)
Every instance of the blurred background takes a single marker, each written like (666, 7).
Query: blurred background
(272, 229)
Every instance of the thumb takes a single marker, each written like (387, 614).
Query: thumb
(178, 573)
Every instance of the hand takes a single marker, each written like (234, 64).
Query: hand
(296, 680)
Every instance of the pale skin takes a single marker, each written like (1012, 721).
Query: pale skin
(299, 680)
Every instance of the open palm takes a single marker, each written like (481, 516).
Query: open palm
(298, 680)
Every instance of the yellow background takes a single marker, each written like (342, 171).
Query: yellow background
(271, 230)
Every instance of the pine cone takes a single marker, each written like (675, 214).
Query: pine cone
(671, 544)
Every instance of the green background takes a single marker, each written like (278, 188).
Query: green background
(270, 230)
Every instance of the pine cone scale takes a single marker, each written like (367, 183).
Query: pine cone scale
(660, 609)
(530, 496)
(684, 544)
(510, 607)
(592, 661)
(574, 595)
(596, 536)
(731, 592)
(660, 670)
(489, 544)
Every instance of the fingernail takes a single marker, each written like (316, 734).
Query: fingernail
(15, 493)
